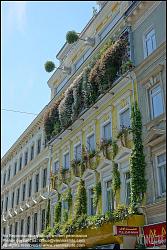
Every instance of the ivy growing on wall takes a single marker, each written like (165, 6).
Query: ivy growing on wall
(116, 182)
(96, 193)
(65, 108)
(137, 159)
(78, 96)
(80, 207)
(57, 214)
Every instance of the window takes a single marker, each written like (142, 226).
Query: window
(1, 206)
(30, 188)
(16, 226)
(12, 199)
(10, 230)
(28, 225)
(64, 208)
(21, 227)
(127, 188)
(9, 174)
(56, 167)
(37, 183)
(156, 101)
(35, 223)
(161, 165)
(25, 158)
(149, 43)
(24, 191)
(15, 168)
(92, 210)
(43, 220)
(4, 179)
(18, 194)
(44, 177)
(109, 196)
(6, 206)
(79, 63)
(91, 143)
(107, 131)
(125, 118)
(39, 146)
(32, 152)
(67, 161)
(20, 163)
(77, 152)
(62, 84)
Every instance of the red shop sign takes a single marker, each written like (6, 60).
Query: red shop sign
(155, 235)
(126, 230)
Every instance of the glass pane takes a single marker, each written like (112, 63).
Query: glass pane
(161, 158)
(66, 161)
(162, 173)
(149, 46)
(107, 131)
(78, 152)
(91, 143)
(56, 167)
(128, 193)
(125, 118)
(157, 105)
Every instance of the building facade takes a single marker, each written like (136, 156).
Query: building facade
(83, 134)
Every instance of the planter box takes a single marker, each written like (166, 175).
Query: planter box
(102, 235)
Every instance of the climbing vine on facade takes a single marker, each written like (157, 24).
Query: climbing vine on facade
(137, 159)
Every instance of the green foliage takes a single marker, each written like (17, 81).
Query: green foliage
(80, 200)
(96, 193)
(104, 144)
(71, 37)
(116, 182)
(114, 149)
(65, 109)
(65, 215)
(78, 96)
(57, 214)
(48, 215)
(49, 66)
(137, 159)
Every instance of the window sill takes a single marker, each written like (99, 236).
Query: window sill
(155, 121)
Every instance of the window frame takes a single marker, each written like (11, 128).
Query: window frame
(23, 191)
(26, 158)
(36, 186)
(151, 98)
(87, 137)
(30, 187)
(122, 110)
(149, 30)
(54, 170)
(35, 226)
(103, 124)
(75, 146)
(39, 145)
(157, 172)
(89, 201)
(44, 182)
(67, 152)
(32, 152)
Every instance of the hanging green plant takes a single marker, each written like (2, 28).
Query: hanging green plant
(57, 214)
(116, 182)
(114, 148)
(80, 206)
(65, 109)
(72, 37)
(96, 193)
(104, 145)
(123, 135)
(78, 96)
(137, 159)
(49, 66)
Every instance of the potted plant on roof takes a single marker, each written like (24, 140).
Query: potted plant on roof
(49, 66)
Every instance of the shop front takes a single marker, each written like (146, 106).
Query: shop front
(155, 235)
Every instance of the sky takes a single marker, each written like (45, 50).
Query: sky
(32, 32)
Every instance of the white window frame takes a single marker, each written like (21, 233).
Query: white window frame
(144, 41)
(26, 151)
(75, 145)
(67, 152)
(88, 198)
(102, 128)
(157, 172)
(150, 99)
(121, 110)
(89, 135)
(104, 196)
(53, 169)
